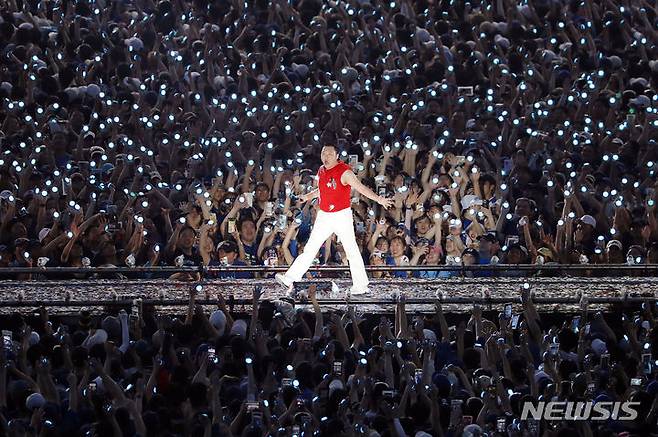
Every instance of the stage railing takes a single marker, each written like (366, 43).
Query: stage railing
(613, 269)
(555, 287)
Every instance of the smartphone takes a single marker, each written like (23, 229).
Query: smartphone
(646, 364)
(286, 382)
(295, 431)
(257, 416)
(465, 90)
(554, 348)
(381, 191)
(575, 324)
(630, 119)
(252, 406)
(512, 239)
(249, 197)
(7, 339)
(388, 393)
(354, 161)
(418, 375)
(231, 225)
(283, 221)
(515, 321)
(278, 164)
(507, 165)
(507, 313)
(605, 361)
(501, 424)
(212, 356)
(587, 329)
(636, 382)
(590, 388)
(269, 209)
(338, 368)
(467, 420)
(91, 387)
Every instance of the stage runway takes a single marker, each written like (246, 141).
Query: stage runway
(552, 294)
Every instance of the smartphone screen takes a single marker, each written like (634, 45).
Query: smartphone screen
(283, 221)
(465, 90)
(231, 226)
(515, 321)
(508, 311)
(646, 363)
(354, 161)
(501, 424)
(338, 368)
(575, 324)
(212, 356)
(6, 339)
(605, 361)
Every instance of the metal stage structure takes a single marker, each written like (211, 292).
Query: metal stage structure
(458, 293)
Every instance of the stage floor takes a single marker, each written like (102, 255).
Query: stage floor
(552, 294)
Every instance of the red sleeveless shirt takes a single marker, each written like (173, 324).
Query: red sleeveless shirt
(334, 196)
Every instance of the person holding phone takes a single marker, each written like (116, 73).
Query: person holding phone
(335, 183)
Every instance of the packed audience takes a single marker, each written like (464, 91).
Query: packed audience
(286, 371)
(183, 132)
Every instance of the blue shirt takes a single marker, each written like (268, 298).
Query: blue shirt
(230, 275)
(390, 261)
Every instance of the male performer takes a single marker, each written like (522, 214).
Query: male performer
(335, 182)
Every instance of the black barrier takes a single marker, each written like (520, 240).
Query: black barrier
(614, 269)
(484, 301)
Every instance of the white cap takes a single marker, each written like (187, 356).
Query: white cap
(588, 220)
(99, 337)
(429, 334)
(334, 385)
(34, 401)
(42, 234)
(218, 321)
(239, 328)
(134, 42)
(599, 347)
(468, 200)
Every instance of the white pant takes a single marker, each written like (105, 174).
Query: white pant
(326, 224)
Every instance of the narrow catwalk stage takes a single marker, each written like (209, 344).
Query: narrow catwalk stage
(458, 294)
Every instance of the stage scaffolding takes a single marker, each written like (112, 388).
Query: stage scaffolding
(554, 287)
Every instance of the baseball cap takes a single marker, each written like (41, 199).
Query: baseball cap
(218, 321)
(588, 220)
(488, 237)
(227, 246)
(614, 243)
(641, 101)
(545, 252)
(599, 347)
(43, 233)
(34, 401)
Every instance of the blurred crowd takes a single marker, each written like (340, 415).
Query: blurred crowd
(136, 133)
(286, 371)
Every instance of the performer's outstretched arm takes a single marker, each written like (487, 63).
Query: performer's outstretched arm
(310, 196)
(349, 178)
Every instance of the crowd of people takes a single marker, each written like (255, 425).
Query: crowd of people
(183, 133)
(285, 371)
(136, 133)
